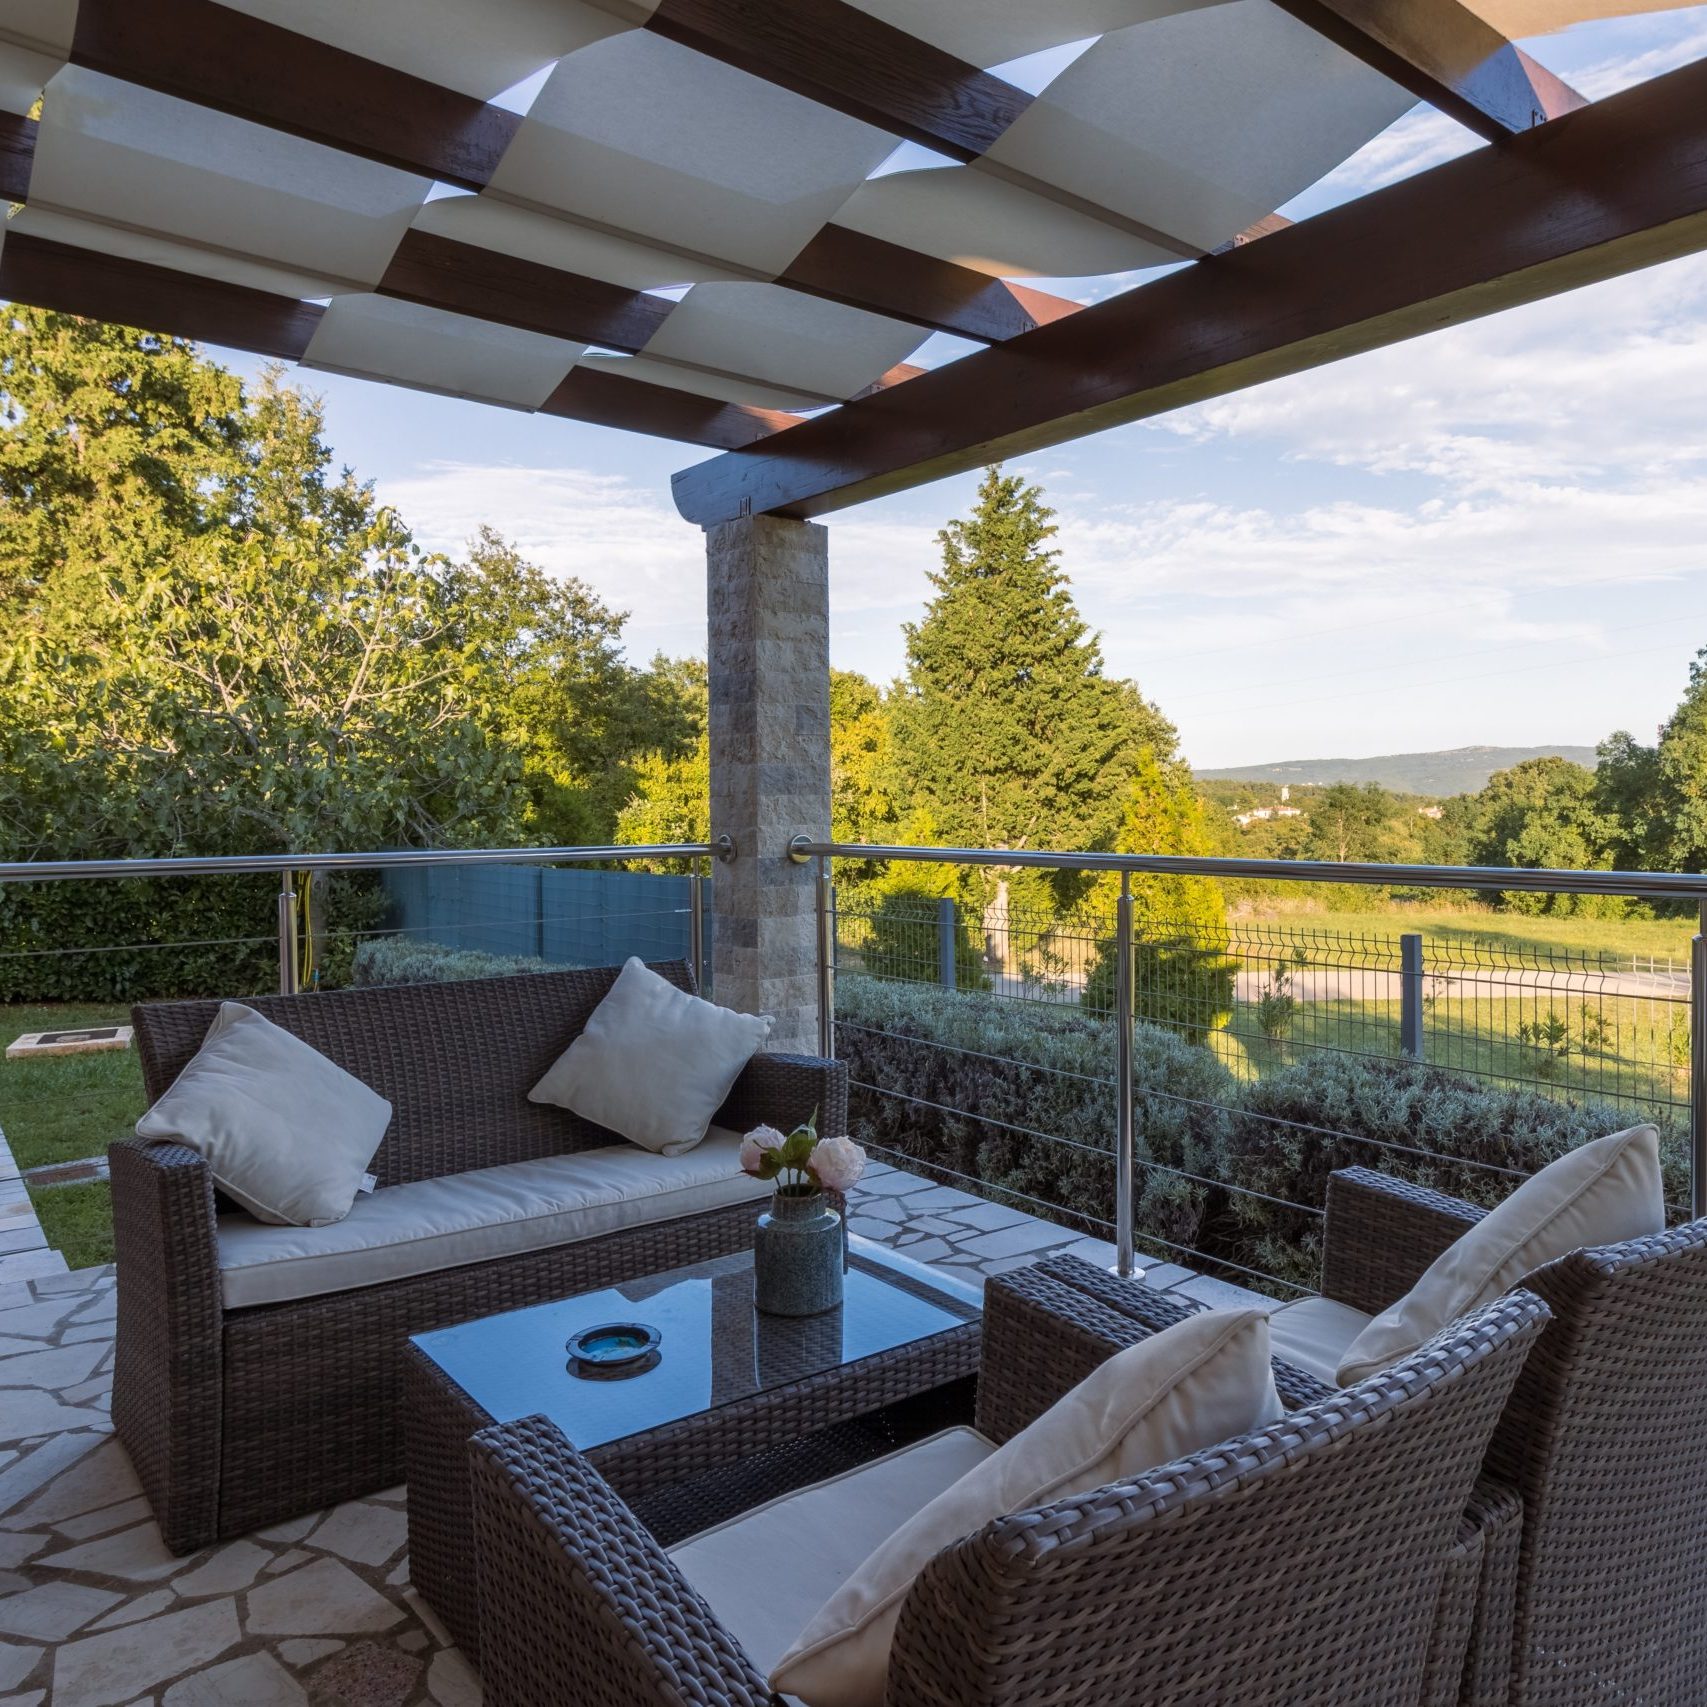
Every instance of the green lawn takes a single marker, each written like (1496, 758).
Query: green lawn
(64, 1107)
(78, 1220)
(1626, 1048)
(1616, 939)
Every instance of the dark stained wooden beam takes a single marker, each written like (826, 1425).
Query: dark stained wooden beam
(637, 406)
(52, 275)
(1616, 186)
(255, 70)
(1448, 56)
(844, 58)
(867, 272)
(443, 273)
(17, 155)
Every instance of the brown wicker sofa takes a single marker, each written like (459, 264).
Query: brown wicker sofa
(1326, 1558)
(1605, 1440)
(236, 1417)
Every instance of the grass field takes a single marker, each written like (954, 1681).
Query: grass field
(65, 1107)
(1610, 939)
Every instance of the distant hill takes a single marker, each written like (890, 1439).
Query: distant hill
(1460, 770)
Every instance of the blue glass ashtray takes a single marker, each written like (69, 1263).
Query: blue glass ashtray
(613, 1351)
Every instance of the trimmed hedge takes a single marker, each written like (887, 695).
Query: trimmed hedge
(1048, 1076)
(148, 939)
(945, 1049)
(408, 960)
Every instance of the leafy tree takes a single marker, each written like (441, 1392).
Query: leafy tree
(1182, 973)
(1006, 726)
(1659, 793)
(1348, 822)
(1543, 814)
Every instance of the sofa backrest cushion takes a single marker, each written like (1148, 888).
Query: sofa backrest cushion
(455, 1061)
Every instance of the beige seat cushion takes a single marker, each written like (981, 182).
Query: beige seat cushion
(1313, 1334)
(653, 1062)
(1190, 1387)
(434, 1224)
(286, 1132)
(767, 1571)
(1599, 1194)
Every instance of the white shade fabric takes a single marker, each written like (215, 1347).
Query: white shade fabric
(991, 32)
(780, 337)
(376, 337)
(480, 48)
(648, 138)
(721, 387)
(123, 155)
(35, 41)
(970, 216)
(1199, 124)
(556, 242)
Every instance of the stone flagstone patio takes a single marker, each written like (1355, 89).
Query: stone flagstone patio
(316, 1612)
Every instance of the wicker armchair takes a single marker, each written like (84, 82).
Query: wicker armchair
(1317, 1560)
(1605, 1440)
(236, 1418)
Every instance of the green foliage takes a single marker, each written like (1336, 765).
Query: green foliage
(410, 960)
(1039, 1070)
(1543, 814)
(1333, 1111)
(1006, 728)
(1277, 1006)
(1347, 822)
(1183, 975)
(62, 1108)
(901, 910)
(78, 1220)
(1657, 796)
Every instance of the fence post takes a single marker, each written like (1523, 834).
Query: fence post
(287, 936)
(1124, 1133)
(824, 907)
(1411, 995)
(1698, 1070)
(696, 928)
(945, 935)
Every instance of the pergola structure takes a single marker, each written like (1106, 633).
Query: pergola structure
(697, 226)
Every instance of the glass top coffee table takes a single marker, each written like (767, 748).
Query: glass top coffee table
(765, 1402)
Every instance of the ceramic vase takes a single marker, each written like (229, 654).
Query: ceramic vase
(797, 1255)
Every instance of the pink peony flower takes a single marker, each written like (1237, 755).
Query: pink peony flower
(837, 1164)
(754, 1147)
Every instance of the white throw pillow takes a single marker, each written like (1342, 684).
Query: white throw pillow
(1599, 1194)
(286, 1132)
(653, 1063)
(1181, 1391)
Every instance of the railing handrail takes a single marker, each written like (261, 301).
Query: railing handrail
(1641, 885)
(55, 870)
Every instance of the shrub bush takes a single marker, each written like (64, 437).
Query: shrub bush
(408, 960)
(146, 939)
(1455, 1121)
(1040, 1071)
(900, 941)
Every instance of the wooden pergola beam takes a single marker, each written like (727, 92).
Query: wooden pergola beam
(844, 58)
(46, 274)
(1616, 186)
(58, 276)
(200, 51)
(1448, 56)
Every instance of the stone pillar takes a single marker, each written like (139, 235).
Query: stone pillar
(769, 644)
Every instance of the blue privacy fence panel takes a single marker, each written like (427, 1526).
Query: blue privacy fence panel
(568, 916)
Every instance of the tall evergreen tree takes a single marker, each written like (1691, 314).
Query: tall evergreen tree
(1007, 730)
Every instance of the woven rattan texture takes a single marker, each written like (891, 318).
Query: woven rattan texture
(241, 1418)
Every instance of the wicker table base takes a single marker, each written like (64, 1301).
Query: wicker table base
(771, 1423)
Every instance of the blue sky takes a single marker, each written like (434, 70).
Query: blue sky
(1492, 534)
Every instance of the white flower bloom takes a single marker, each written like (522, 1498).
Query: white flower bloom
(837, 1163)
(756, 1143)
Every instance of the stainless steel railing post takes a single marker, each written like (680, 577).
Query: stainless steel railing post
(824, 906)
(1698, 1069)
(287, 938)
(1125, 1136)
(696, 928)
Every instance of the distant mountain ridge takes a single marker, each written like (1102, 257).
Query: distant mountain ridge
(1458, 770)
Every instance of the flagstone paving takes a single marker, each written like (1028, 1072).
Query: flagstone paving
(316, 1611)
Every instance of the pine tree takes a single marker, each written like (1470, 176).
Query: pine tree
(1007, 732)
